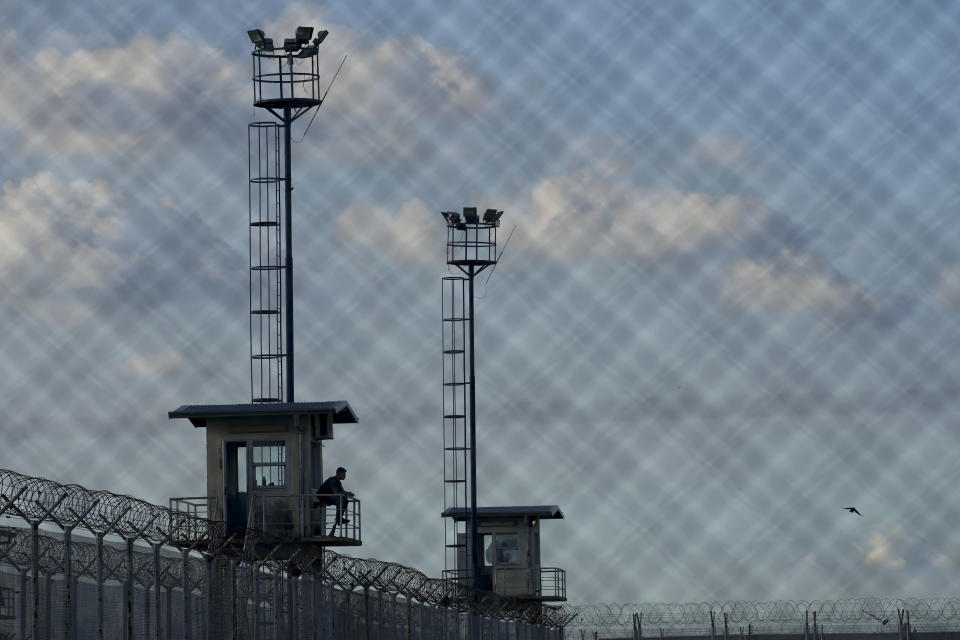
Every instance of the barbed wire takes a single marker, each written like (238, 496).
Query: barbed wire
(850, 613)
(39, 500)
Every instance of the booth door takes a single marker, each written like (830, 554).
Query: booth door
(235, 484)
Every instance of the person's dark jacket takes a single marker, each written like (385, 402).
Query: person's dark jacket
(331, 485)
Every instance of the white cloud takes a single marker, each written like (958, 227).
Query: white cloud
(391, 94)
(593, 212)
(149, 365)
(942, 561)
(74, 229)
(398, 234)
(576, 215)
(107, 100)
(154, 68)
(789, 282)
(881, 550)
(720, 150)
(947, 293)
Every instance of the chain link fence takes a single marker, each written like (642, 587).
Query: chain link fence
(79, 564)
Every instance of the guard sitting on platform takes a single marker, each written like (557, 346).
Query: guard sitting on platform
(331, 492)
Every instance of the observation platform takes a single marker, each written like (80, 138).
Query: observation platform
(509, 543)
(264, 466)
(288, 103)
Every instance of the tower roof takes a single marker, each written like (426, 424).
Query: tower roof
(198, 414)
(542, 512)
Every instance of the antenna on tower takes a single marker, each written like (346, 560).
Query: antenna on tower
(322, 98)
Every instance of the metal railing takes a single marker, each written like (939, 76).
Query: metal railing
(553, 583)
(549, 583)
(305, 516)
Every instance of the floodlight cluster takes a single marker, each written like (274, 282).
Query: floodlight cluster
(491, 217)
(299, 43)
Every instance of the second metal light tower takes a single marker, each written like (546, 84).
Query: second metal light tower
(471, 247)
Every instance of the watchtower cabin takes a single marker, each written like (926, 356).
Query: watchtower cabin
(264, 464)
(509, 543)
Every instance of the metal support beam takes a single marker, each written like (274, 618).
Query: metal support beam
(288, 241)
(474, 536)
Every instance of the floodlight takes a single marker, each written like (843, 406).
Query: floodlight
(267, 44)
(306, 52)
(256, 37)
(452, 217)
(470, 215)
(321, 36)
(290, 44)
(304, 34)
(492, 215)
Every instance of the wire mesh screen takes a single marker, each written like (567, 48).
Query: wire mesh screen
(725, 315)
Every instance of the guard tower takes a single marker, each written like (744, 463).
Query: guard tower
(487, 548)
(509, 543)
(265, 458)
(471, 248)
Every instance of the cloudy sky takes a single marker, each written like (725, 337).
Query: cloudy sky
(727, 311)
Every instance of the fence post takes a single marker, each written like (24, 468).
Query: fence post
(713, 626)
(128, 609)
(313, 606)
(68, 621)
(348, 617)
(333, 612)
(209, 586)
(410, 619)
(276, 606)
(294, 629)
(255, 581)
(234, 609)
(23, 605)
(35, 578)
(169, 612)
(366, 612)
(100, 586)
(156, 590)
(379, 614)
(47, 600)
(187, 626)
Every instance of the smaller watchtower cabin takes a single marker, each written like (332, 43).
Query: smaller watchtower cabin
(510, 552)
(264, 465)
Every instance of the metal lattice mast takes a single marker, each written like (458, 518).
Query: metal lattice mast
(286, 83)
(471, 247)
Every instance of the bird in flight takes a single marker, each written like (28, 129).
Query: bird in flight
(853, 510)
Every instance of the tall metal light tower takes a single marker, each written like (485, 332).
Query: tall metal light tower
(286, 82)
(471, 247)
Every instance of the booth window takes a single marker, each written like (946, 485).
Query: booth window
(508, 549)
(270, 464)
(499, 549)
(7, 602)
(487, 549)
